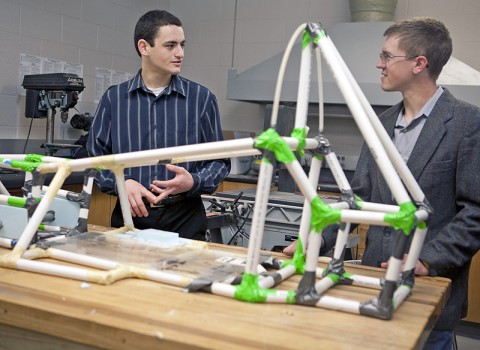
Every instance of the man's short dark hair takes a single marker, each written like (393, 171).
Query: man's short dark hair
(148, 25)
(424, 36)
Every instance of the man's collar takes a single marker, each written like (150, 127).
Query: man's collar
(425, 111)
(176, 84)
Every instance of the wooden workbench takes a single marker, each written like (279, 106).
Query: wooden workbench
(57, 313)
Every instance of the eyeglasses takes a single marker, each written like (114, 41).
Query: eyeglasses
(385, 57)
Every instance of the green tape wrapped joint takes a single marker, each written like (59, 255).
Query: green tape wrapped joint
(323, 215)
(25, 166)
(272, 141)
(249, 291)
(16, 202)
(307, 38)
(35, 158)
(403, 220)
(301, 135)
(298, 259)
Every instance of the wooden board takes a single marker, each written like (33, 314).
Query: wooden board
(140, 314)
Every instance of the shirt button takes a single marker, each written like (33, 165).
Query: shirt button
(387, 232)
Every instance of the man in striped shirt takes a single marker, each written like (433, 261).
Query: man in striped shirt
(158, 109)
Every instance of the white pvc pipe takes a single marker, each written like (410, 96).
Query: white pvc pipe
(279, 296)
(167, 277)
(364, 217)
(5, 242)
(226, 290)
(281, 74)
(334, 303)
(323, 285)
(153, 156)
(296, 171)
(60, 193)
(366, 281)
(220, 155)
(341, 242)
(285, 273)
(337, 172)
(394, 268)
(319, 272)
(81, 259)
(4, 199)
(51, 228)
(357, 279)
(421, 215)
(44, 159)
(3, 189)
(321, 118)
(400, 295)
(303, 87)
(305, 221)
(123, 197)
(415, 248)
(52, 269)
(259, 214)
(313, 250)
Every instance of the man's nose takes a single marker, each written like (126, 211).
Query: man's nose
(380, 64)
(180, 52)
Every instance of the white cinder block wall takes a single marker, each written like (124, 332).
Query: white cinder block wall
(220, 34)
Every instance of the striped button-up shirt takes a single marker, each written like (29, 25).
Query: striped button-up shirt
(131, 118)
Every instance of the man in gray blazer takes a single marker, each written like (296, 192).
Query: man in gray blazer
(439, 138)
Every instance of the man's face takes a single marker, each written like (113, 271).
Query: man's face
(396, 67)
(167, 54)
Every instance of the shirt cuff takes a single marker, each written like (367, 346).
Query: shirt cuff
(197, 182)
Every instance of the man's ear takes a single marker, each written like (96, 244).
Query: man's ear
(421, 63)
(143, 47)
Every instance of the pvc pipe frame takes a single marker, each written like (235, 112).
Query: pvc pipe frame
(20, 258)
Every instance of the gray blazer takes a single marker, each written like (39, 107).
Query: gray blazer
(446, 163)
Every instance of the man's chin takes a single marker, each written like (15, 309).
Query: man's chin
(175, 71)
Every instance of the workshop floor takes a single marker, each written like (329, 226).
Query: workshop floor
(468, 336)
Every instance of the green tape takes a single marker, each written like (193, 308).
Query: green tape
(16, 202)
(323, 215)
(358, 202)
(306, 39)
(249, 290)
(291, 297)
(25, 166)
(298, 259)
(272, 141)
(36, 158)
(403, 220)
(301, 135)
(334, 277)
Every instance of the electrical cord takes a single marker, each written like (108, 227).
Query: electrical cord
(28, 136)
(240, 229)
